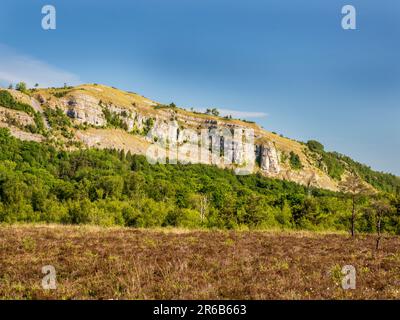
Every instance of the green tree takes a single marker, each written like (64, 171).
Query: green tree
(21, 86)
(314, 145)
(295, 161)
(215, 112)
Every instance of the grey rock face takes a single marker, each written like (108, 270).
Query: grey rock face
(85, 109)
(269, 161)
(168, 126)
(163, 131)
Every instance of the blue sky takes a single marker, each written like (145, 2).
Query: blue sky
(286, 64)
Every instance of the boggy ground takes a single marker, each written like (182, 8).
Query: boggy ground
(123, 263)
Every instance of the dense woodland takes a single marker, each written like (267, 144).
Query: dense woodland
(107, 187)
(335, 164)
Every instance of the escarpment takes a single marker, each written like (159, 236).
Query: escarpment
(104, 117)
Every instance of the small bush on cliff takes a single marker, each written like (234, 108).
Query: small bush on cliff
(114, 119)
(314, 145)
(149, 124)
(57, 118)
(295, 161)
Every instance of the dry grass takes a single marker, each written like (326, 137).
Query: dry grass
(122, 263)
(113, 139)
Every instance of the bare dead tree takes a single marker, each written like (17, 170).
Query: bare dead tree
(380, 209)
(203, 207)
(311, 183)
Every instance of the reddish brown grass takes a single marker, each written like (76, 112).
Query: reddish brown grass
(122, 263)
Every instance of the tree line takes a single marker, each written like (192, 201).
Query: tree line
(39, 183)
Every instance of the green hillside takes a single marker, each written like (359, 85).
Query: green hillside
(106, 187)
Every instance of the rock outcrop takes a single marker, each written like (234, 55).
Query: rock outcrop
(269, 160)
(16, 118)
(84, 109)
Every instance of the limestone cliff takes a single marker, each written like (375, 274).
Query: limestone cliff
(104, 117)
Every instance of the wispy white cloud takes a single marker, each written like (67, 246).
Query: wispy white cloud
(16, 67)
(239, 114)
(242, 114)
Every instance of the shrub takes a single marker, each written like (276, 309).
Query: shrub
(114, 119)
(314, 145)
(295, 161)
(21, 86)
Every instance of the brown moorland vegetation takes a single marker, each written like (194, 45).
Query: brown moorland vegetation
(123, 263)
